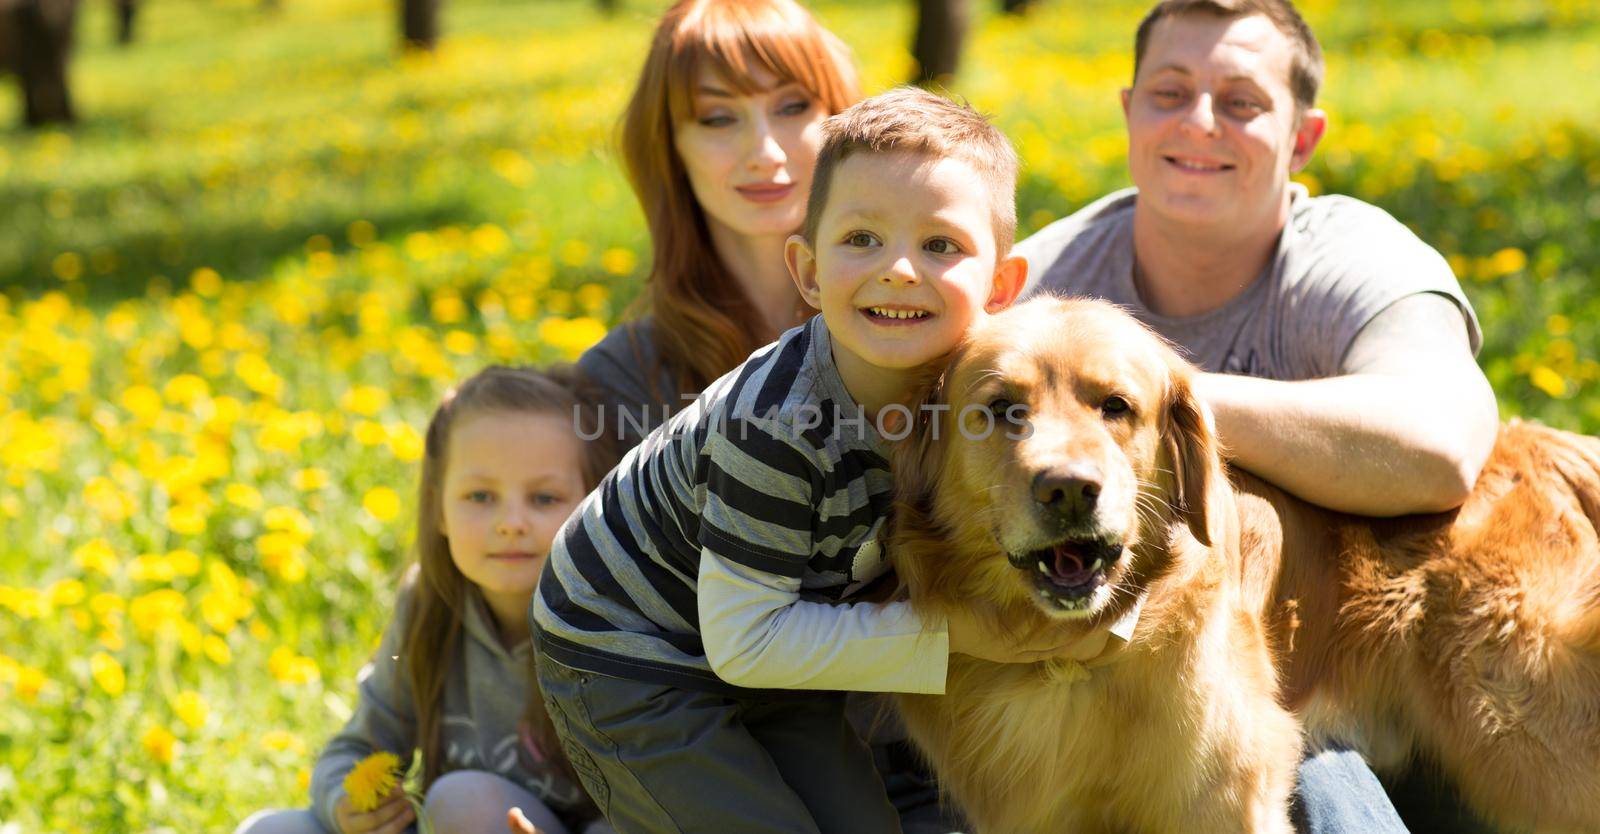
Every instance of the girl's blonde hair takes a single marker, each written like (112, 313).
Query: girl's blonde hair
(705, 325)
(439, 595)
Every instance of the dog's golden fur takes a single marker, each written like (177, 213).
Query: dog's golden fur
(1470, 639)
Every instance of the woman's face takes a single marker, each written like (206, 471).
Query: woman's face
(749, 158)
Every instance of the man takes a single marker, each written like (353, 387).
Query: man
(1338, 348)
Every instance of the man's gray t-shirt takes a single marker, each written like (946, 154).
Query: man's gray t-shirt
(1339, 263)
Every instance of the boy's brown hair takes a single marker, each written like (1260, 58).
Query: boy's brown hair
(915, 120)
(1305, 68)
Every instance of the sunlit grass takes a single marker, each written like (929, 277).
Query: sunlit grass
(231, 296)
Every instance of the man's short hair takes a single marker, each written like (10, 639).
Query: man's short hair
(915, 120)
(1305, 69)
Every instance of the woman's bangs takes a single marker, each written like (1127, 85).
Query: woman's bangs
(733, 44)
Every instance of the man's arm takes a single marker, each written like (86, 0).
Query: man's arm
(1405, 430)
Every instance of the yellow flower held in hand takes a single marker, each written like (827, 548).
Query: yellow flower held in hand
(372, 779)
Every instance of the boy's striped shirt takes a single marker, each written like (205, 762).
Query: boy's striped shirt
(771, 468)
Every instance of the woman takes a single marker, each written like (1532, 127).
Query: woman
(719, 140)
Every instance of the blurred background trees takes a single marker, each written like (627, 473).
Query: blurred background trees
(35, 42)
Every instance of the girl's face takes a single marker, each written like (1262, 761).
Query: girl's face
(510, 480)
(749, 158)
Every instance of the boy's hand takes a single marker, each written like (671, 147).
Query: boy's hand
(390, 817)
(971, 635)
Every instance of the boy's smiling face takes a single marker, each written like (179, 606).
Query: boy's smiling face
(904, 260)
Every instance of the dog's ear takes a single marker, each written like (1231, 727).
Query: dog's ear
(1192, 446)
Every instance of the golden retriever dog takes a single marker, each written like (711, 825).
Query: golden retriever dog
(1469, 639)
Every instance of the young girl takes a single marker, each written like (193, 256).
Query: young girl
(503, 468)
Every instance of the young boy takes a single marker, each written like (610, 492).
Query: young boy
(694, 598)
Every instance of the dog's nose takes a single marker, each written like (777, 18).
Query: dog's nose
(1069, 490)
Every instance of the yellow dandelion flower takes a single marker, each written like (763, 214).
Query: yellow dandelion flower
(369, 433)
(1547, 380)
(618, 261)
(460, 343)
(67, 592)
(365, 400)
(372, 779)
(190, 637)
(406, 442)
(186, 520)
(592, 298)
(160, 743)
(243, 496)
(279, 741)
(107, 499)
(309, 479)
(574, 253)
(571, 336)
(111, 639)
(142, 402)
(288, 667)
(382, 503)
(68, 266)
(151, 567)
(158, 612)
(289, 520)
(448, 308)
(183, 562)
(185, 389)
(107, 672)
(191, 709)
(206, 282)
(216, 649)
(361, 232)
(29, 683)
(107, 606)
(488, 240)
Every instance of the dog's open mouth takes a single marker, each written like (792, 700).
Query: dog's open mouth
(1069, 573)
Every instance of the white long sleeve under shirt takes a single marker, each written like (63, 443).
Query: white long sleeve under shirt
(758, 633)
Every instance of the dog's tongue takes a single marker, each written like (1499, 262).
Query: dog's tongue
(1068, 563)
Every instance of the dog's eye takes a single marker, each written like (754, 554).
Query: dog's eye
(1008, 411)
(1115, 406)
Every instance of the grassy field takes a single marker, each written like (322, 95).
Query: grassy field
(229, 298)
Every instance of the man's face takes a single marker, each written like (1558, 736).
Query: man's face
(1213, 133)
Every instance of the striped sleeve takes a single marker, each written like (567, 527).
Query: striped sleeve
(759, 501)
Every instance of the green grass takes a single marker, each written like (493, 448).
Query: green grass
(251, 190)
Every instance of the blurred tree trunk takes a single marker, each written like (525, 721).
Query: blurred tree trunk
(125, 13)
(419, 23)
(35, 41)
(941, 30)
(1015, 6)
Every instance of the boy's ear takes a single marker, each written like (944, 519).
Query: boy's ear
(1009, 277)
(802, 261)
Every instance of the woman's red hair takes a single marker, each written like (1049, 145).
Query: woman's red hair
(705, 323)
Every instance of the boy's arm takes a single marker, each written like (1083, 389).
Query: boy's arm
(758, 519)
(758, 633)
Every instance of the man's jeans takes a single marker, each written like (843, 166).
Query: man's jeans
(1338, 794)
